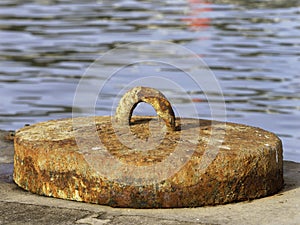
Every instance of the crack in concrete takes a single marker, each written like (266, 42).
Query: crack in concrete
(93, 219)
(105, 218)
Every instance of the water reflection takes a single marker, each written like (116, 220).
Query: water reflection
(257, 4)
(196, 20)
(252, 47)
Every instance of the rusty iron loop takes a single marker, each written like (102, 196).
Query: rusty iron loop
(148, 95)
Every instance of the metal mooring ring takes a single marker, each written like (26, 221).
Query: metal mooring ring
(148, 95)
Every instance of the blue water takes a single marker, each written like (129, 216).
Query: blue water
(251, 47)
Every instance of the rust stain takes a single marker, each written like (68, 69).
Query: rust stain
(10, 136)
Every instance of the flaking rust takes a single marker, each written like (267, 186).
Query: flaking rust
(248, 164)
(148, 95)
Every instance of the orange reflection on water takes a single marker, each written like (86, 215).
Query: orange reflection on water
(195, 20)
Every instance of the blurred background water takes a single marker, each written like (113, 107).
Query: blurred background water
(252, 47)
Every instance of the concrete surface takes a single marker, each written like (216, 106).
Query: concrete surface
(20, 207)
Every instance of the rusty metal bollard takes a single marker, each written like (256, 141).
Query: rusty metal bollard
(54, 158)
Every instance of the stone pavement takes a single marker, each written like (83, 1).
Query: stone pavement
(20, 207)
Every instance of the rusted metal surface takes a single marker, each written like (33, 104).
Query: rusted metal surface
(148, 95)
(10, 136)
(49, 162)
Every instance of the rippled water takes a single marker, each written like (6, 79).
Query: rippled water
(252, 47)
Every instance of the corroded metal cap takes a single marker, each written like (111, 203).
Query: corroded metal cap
(147, 162)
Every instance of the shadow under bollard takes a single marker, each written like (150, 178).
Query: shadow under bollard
(291, 175)
(6, 156)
